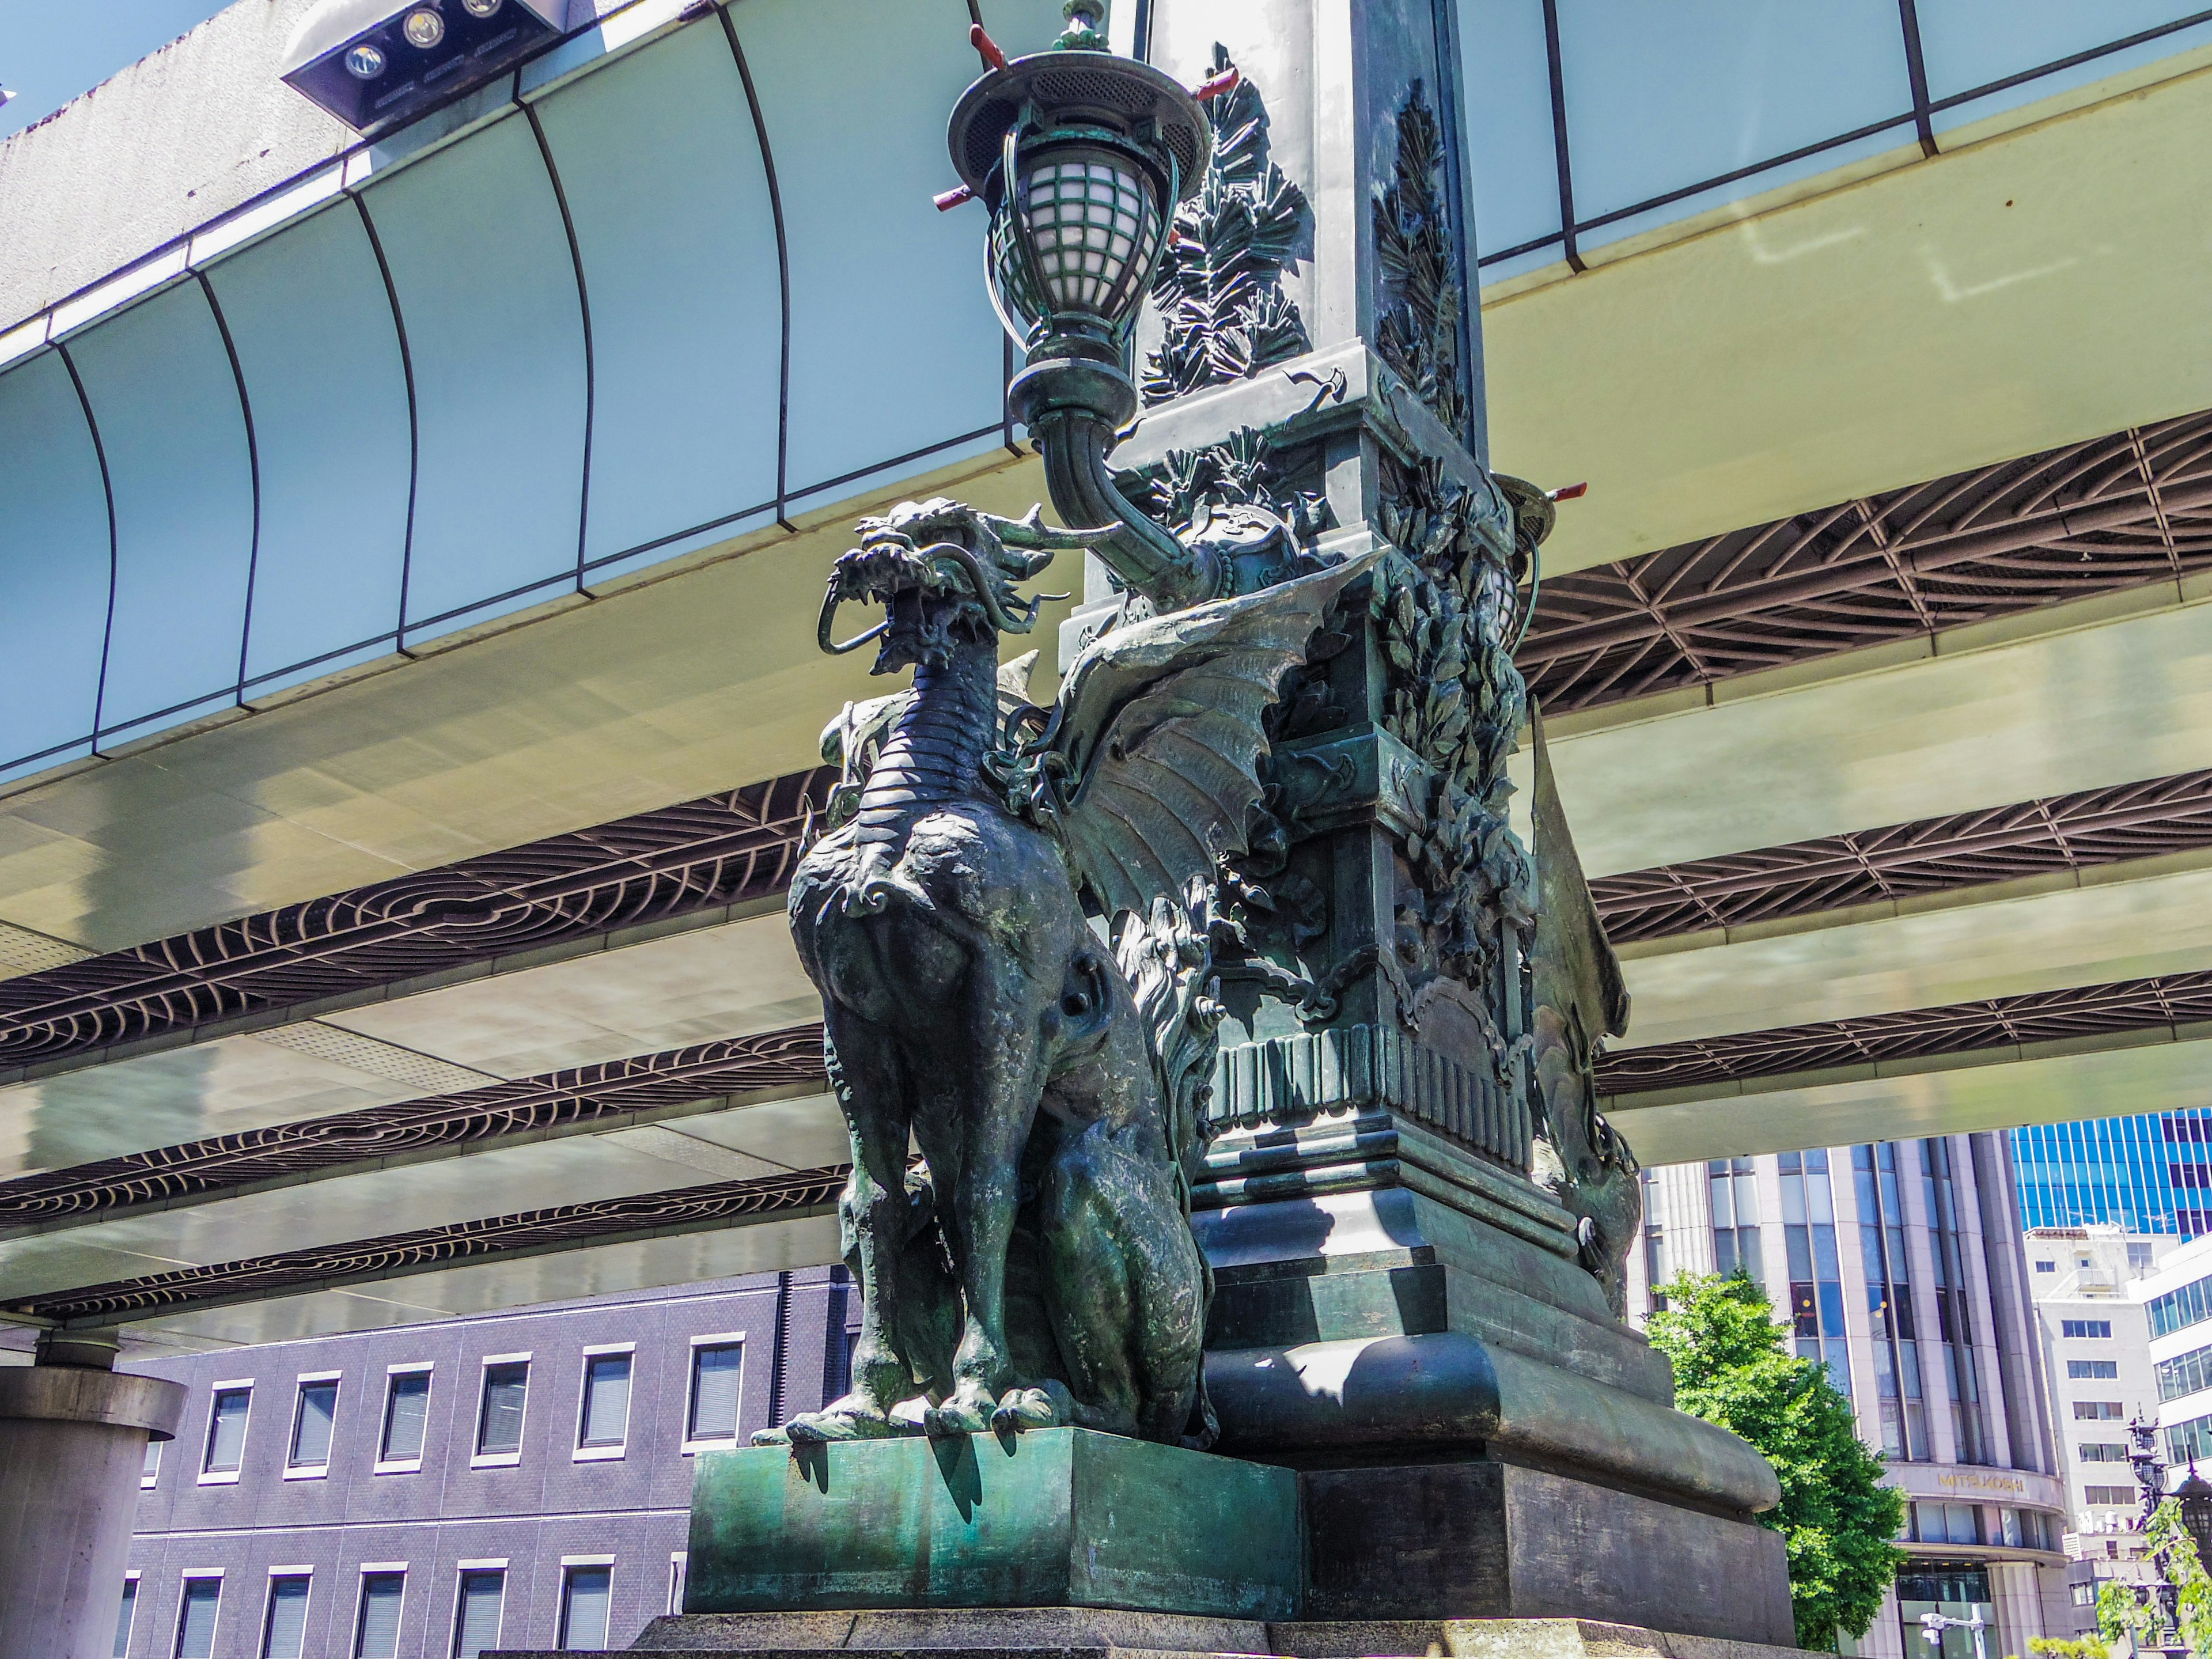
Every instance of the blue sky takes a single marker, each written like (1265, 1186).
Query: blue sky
(52, 50)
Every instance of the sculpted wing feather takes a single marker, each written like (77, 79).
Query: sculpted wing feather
(1160, 728)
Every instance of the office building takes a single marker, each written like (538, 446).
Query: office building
(520, 1478)
(1897, 1265)
(2150, 1174)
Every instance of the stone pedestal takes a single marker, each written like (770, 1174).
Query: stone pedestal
(1051, 1518)
(72, 1441)
(1090, 1633)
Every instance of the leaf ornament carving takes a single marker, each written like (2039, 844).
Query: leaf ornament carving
(1445, 612)
(1220, 284)
(1417, 329)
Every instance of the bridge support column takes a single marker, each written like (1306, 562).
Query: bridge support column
(73, 1435)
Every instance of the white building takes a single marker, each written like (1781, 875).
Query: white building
(2096, 1337)
(1899, 1265)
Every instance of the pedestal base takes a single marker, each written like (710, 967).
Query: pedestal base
(1059, 1517)
(1094, 1633)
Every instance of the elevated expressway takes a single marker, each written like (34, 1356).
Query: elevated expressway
(1880, 688)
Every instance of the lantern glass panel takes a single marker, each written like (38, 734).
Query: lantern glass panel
(1091, 227)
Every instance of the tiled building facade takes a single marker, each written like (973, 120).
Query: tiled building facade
(521, 1479)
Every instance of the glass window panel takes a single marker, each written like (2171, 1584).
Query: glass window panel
(664, 180)
(1970, 43)
(1723, 1206)
(1800, 1252)
(1831, 1310)
(714, 1372)
(284, 1633)
(150, 1467)
(607, 1400)
(376, 1632)
(167, 405)
(54, 564)
(1793, 1197)
(226, 1442)
(1746, 1200)
(313, 325)
(1820, 1203)
(1824, 1252)
(310, 1428)
(474, 240)
(498, 1426)
(122, 1618)
(1511, 174)
(195, 1618)
(584, 1609)
(406, 1411)
(476, 1620)
(1662, 98)
(862, 182)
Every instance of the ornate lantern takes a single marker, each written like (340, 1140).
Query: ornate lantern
(2194, 1497)
(1081, 157)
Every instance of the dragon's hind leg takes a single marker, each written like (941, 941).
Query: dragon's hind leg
(1126, 1285)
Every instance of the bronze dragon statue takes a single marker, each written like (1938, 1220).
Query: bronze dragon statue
(1033, 1265)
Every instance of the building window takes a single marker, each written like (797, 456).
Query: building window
(226, 1435)
(406, 1413)
(679, 1567)
(376, 1626)
(149, 1469)
(476, 1612)
(2139, 1256)
(1901, 1406)
(2085, 1595)
(1733, 1189)
(2185, 1373)
(2046, 1267)
(2100, 1451)
(2092, 1370)
(195, 1618)
(2094, 1328)
(716, 1362)
(2191, 1439)
(2123, 1496)
(603, 1417)
(2098, 1411)
(499, 1417)
(2178, 1309)
(1808, 1237)
(584, 1587)
(123, 1619)
(312, 1416)
(1947, 1523)
(284, 1626)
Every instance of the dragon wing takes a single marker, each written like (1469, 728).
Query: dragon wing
(1159, 729)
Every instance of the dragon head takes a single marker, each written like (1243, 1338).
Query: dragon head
(945, 574)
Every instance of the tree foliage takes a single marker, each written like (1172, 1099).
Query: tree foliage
(1836, 1518)
(2121, 1613)
(2067, 1647)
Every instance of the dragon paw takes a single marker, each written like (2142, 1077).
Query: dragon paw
(958, 1415)
(850, 1419)
(1048, 1406)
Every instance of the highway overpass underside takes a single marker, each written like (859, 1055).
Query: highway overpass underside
(1879, 682)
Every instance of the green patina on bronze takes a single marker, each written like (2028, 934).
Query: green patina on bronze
(1054, 1518)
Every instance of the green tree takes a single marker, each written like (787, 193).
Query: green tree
(2063, 1647)
(1836, 1517)
(2121, 1613)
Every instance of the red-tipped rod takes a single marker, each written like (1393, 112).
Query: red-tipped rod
(1568, 492)
(947, 199)
(1215, 85)
(985, 47)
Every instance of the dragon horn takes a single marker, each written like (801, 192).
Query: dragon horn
(829, 618)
